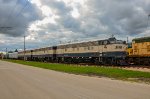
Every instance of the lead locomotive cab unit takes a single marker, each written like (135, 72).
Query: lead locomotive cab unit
(113, 51)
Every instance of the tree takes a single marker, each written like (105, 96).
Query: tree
(16, 50)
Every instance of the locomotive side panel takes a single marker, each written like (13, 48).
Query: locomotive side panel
(141, 49)
(43, 54)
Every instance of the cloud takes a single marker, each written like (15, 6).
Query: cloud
(17, 16)
(121, 16)
(47, 22)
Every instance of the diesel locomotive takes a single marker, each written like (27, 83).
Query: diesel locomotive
(139, 52)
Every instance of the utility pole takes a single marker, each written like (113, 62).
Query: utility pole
(24, 48)
(6, 53)
(127, 40)
(148, 21)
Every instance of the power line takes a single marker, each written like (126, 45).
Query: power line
(27, 3)
(11, 12)
(24, 47)
(148, 21)
(19, 13)
(5, 28)
(8, 17)
(13, 9)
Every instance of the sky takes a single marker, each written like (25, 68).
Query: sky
(53, 22)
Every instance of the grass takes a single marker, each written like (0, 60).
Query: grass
(91, 70)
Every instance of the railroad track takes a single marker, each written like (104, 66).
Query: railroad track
(92, 64)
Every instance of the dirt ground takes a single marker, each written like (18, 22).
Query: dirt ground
(137, 69)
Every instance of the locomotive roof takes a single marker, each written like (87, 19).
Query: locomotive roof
(89, 43)
(80, 44)
(109, 39)
(140, 40)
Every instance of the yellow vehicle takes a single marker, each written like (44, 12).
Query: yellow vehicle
(139, 53)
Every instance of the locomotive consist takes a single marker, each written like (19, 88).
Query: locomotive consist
(108, 51)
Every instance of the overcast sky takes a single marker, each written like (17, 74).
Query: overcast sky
(49, 22)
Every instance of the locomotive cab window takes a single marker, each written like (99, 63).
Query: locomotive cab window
(105, 42)
(118, 47)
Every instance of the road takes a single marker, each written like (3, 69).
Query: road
(26, 82)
